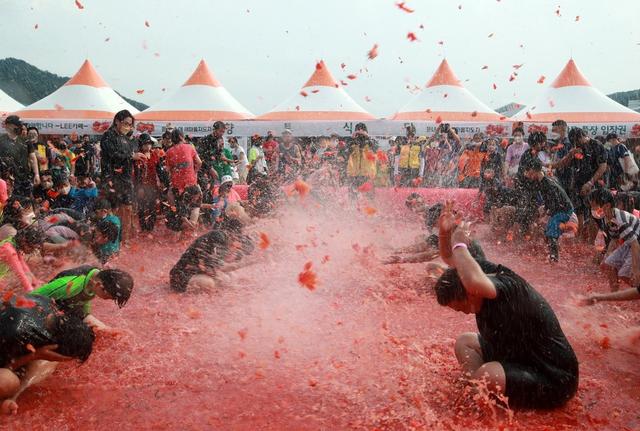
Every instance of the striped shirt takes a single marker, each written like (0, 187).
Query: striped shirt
(624, 226)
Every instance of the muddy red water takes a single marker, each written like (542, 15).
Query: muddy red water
(368, 349)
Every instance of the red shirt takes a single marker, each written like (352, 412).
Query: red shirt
(180, 161)
(269, 149)
(147, 168)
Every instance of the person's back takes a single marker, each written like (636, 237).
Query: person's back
(203, 256)
(68, 288)
(180, 161)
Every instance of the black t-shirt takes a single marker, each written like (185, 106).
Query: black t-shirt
(593, 154)
(20, 326)
(553, 195)
(116, 157)
(15, 156)
(203, 256)
(519, 327)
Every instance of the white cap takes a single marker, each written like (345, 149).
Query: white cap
(226, 179)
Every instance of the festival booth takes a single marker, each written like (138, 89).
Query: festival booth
(321, 107)
(573, 99)
(445, 100)
(84, 104)
(195, 106)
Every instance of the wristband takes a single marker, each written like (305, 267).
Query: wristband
(459, 245)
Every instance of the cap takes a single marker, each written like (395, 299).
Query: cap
(14, 120)
(287, 132)
(226, 179)
(169, 127)
(144, 138)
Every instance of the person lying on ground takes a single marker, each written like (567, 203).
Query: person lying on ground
(520, 351)
(623, 255)
(629, 294)
(34, 337)
(74, 290)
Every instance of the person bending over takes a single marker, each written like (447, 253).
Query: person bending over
(197, 267)
(555, 200)
(623, 254)
(75, 288)
(520, 350)
(34, 336)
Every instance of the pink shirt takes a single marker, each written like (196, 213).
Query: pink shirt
(180, 161)
(16, 264)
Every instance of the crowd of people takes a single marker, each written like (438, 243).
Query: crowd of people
(75, 199)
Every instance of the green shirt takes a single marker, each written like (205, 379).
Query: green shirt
(68, 288)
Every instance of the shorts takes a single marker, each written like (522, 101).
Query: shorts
(529, 388)
(621, 260)
(118, 193)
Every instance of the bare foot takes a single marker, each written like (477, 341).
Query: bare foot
(9, 407)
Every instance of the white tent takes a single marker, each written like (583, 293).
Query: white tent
(85, 103)
(200, 99)
(572, 98)
(8, 104)
(445, 99)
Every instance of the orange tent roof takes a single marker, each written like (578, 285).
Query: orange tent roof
(202, 76)
(444, 76)
(87, 75)
(570, 76)
(321, 77)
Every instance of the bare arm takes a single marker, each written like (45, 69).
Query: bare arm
(474, 280)
(622, 295)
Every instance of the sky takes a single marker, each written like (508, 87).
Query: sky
(263, 51)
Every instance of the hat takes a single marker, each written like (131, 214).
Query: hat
(287, 132)
(156, 143)
(169, 127)
(14, 120)
(226, 179)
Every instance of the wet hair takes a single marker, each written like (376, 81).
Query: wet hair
(121, 116)
(433, 214)
(559, 123)
(536, 138)
(33, 128)
(533, 165)
(117, 283)
(45, 173)
(177, 135)
(449, 287)
(108, 229)
(576, 133)
(166, 135)
(13, 209)
(231, 225)
(30, 236)
(516, 130)
(601, 197)
(73, 337)
(628, 201)
(102, 204)
(411, 199)
(218, 125)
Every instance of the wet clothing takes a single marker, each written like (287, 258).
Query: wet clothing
(180, 163)
(204, 256)
(519, 330)
(83, 199)
(117, 167)
(24, 325)
(13, 261)
(624, 227)
(14, 156)
(553, 196)
(562, 148)
(512, 158)
(68, 288)
(105, 251)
